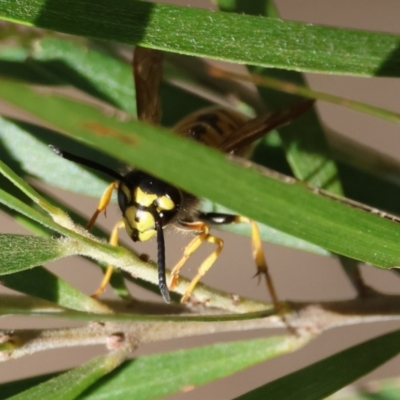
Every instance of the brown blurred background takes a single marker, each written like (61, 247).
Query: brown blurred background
(297, 275)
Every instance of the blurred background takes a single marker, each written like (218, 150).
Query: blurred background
(297, 275)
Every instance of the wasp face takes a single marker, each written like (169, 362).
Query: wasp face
(143, 199)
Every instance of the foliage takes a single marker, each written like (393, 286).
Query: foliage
(303, 211)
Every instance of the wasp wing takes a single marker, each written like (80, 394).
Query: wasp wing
(147, 72)
(256, 128)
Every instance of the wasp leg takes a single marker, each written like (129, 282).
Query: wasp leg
(204, 236)
(258, 253)
(107, 276)
(259, 258)
(103, 203)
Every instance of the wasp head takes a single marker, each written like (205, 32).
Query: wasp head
(144, 200)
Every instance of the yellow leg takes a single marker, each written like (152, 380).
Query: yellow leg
(103, 203)
(259, 258)
(189, 250)
(107, 276)
(205, 266)
(262, 268)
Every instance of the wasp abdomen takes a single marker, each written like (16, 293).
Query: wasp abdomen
(210, 126)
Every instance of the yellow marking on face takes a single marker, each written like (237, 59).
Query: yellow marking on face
(143, 198)
(165, 203)
(139, 220)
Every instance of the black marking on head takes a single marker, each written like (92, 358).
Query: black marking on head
(147, 183)
(123, 200)
(134, 235)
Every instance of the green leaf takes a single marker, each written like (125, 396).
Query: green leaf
(20, 252)
(82, 245)
(185, 368)
(60, 223)
(72, 383)
(267, 233)
(303, 141)
(25, 188)
(24, 147)
(41, 283)
(12, 388)
(175, 370)
(333, 372)
(224, 36)
(81, 180)
(18, 206)
(278, 202)
(93, 72)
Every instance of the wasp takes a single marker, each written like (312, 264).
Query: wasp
(149, 204)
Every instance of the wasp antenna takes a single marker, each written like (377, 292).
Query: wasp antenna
(88, 163)
(162, 281)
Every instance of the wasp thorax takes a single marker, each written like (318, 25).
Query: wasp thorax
(144, 200)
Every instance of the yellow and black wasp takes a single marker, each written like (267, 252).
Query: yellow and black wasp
(149, 204)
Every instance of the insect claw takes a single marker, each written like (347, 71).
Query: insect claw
(258, 276)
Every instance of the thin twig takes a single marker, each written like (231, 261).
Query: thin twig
(309, 319)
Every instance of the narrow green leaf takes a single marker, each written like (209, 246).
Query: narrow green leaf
(363, 179)
(267, 233)
(229, 37)
(24, 147)
(20, 252)
(12, 388)
(333, 372)
(304, 142)
(8, 173)
(282, 204)
(171, 113)
(41, 283)
(84, 245)
(17, 205)
(72, 383)
(306, 148)
(81, 180)
(27, 70)
(185, 368)
(91, 71)
(175, 370)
